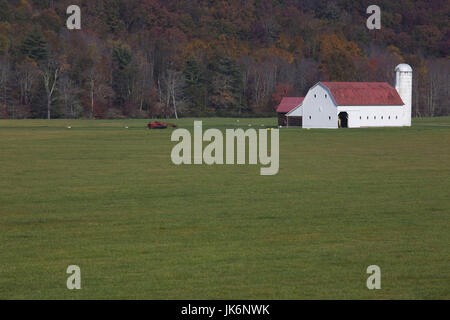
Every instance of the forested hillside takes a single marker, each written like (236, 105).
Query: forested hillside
(209, 57)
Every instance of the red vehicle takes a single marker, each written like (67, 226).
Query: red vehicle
(160, 125)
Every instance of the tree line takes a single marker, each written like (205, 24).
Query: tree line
(155, 58)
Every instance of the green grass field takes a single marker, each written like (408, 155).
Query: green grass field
(110, 200)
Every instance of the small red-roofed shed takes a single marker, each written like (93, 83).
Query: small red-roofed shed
(286, 105)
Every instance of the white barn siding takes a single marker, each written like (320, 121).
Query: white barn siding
(296, 112)
(319, 109)
(374, 116)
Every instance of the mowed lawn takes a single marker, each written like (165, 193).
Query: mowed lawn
(109, 200)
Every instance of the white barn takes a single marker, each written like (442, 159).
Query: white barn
(358, 104)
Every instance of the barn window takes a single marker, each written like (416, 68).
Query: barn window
(389, 117)
(367, 117)
(382, 117)
(326, 96)
(309, 117)
(396, 117)
(360, 118)
(329, 118)
(315, 96)
(375, 117)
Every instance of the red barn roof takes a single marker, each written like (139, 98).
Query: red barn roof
(364, 93)
(289, 103)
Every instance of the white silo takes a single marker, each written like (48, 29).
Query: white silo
(403, 85)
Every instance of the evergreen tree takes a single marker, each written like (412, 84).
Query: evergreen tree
(34, 46)
(123, 73)
(194, 88)
(226, 85)
(122, 57)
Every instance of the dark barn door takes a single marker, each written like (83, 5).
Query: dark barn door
(343, 120)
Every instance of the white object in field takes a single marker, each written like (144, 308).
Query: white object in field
(69, 127)
(126, 127)
(403, 85)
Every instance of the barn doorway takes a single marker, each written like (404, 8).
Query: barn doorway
(343, 120)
